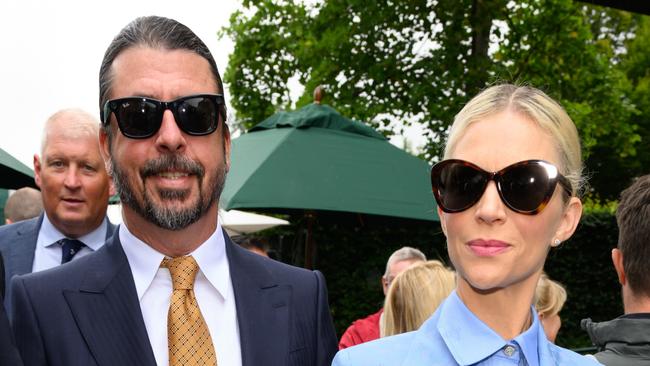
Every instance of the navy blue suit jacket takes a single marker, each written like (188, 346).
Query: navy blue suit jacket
(87, 313)
(8, 353)
(17, 246)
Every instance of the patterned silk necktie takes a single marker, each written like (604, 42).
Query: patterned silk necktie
(69, 247)
(188, 337)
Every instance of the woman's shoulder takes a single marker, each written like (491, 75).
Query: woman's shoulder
(382, 351)
(564, 356)
(421, 347)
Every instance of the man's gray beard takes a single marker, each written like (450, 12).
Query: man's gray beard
(167, 217)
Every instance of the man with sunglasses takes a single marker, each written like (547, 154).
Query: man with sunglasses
(170, 288)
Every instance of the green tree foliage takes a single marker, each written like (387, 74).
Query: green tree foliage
(419, 61)
(635, 63)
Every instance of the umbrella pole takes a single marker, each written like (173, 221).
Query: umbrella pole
(309, 242)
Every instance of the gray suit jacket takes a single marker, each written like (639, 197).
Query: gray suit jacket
(17, 246)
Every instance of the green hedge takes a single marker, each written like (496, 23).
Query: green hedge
(584, 266)
(352, 251)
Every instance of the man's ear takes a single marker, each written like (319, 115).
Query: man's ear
(443, 220)
(111, 187)
(617, 260)
(37, 170)
(226, 148)
(105, 151)
(384, 284)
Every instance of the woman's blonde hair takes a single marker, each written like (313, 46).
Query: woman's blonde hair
(414, 295)
(550, 297)
(538, 107)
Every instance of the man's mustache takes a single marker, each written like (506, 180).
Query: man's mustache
(171, 162)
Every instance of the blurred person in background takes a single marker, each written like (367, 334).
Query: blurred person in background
(550, 297)
(626, 339)
(75, 188)
(25, 203)
(253, 244)
(414, 295)
(367, 329)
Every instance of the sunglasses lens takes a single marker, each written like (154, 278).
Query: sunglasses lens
(137, 117)
(197, 115)
(525, 187)
(458, 186)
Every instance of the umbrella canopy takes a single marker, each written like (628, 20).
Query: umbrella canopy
(316, 159)
(13, 173)
(239, 222)
(235, 222)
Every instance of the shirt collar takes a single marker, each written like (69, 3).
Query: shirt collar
(459, 327)
(145, 260)
(48, 235)
(213, 262)
(529, 340)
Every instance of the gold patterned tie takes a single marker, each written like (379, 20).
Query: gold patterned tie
(188, 337)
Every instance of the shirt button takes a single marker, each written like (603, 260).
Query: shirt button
(509, 350)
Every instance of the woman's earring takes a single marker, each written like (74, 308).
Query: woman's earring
(556, 242)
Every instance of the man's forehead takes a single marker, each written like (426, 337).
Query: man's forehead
(399, 266)
(161, 73)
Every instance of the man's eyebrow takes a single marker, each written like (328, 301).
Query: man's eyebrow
(140, 95)
(52, 157)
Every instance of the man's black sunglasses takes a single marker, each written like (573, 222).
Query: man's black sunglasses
(525, 187)
(141, 117)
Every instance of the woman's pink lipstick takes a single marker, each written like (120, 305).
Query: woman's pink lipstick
(487, 248)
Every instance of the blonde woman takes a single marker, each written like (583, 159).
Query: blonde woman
(414, 295)
(549, 300)
(507, 192)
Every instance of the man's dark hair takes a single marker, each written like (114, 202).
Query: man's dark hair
(157, 33)
(633, 218)
(250, 242)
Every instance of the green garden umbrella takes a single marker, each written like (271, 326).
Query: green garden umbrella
(13, 173)
(315, 159)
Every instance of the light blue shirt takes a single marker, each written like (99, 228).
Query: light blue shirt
(455, 336)
(48, 253)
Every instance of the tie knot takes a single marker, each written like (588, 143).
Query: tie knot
(183, 271)
(69, 247)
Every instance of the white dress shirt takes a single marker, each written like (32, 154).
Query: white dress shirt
(48, 251)
(212, 287)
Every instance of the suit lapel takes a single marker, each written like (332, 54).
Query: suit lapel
(262, 309)
(107, 310)
(110, 229)
(21, 257)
